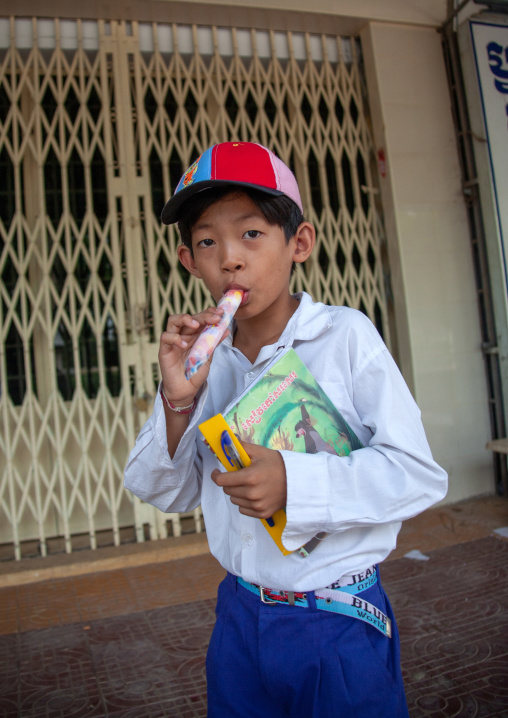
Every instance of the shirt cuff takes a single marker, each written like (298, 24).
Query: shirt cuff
(307, 508)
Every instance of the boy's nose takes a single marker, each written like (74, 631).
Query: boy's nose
(231, 260)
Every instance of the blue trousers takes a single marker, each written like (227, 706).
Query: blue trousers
(268, 661)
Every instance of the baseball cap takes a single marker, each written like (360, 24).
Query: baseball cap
(246, 164)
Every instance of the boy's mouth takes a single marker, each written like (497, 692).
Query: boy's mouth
(245, 292)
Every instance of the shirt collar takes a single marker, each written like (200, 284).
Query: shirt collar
(310, 320)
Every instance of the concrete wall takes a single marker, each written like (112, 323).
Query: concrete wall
(319, 16)
(430, 253)
(428, 12)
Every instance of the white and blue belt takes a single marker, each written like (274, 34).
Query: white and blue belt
(342, 596)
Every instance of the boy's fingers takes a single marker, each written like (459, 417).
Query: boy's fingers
(257, 508)
(179, 322)
(245, 495)
(239, 483)
(254, 451)
(183, 329)
(240, 486)
(170, 339)
(228, 479)
(186, 325)
(249, 509)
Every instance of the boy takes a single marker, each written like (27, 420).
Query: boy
(294, 636)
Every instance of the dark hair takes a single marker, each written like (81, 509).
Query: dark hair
(280, 211)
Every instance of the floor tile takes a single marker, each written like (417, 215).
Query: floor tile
(131, 643)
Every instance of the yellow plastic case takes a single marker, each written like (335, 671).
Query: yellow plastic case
(213, 430)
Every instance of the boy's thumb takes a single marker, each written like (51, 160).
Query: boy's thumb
(253, 450)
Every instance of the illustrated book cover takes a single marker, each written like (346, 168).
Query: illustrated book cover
(285, 409)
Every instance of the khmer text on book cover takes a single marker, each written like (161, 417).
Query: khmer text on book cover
(287, 409)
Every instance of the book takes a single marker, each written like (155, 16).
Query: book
(284, 408)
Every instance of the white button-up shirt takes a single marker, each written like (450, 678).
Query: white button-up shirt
(360, 499)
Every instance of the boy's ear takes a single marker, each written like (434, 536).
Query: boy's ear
(305, 240)
(186, 258)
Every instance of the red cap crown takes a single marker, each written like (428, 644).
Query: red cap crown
(234, 163)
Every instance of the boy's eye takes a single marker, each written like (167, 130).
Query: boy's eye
(205, 242)
(252, 234)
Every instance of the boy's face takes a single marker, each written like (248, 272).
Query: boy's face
(234, 247)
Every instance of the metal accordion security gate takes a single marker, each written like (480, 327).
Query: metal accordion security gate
(97, 122)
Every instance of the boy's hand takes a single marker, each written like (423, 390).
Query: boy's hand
(261, 488)
(182, 330)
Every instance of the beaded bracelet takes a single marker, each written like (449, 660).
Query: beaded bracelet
(177, 409)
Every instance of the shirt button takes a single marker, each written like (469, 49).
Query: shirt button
(247, 539)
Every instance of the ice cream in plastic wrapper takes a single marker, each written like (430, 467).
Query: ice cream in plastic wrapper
(212, 333)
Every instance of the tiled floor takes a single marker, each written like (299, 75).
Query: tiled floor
(131, 642)
(454, 638)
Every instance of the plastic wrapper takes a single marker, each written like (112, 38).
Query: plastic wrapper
(212, 333)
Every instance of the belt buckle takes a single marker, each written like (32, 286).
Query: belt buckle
(264, 599)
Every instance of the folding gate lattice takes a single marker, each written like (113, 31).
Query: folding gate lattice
(97, 122)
